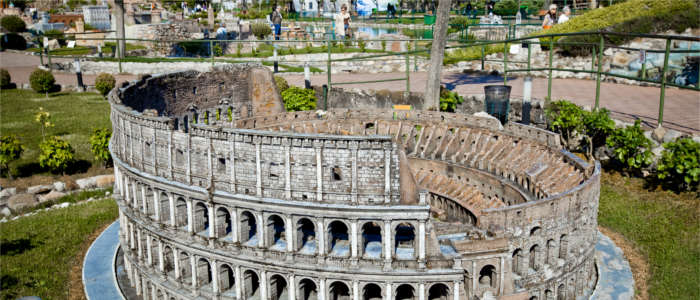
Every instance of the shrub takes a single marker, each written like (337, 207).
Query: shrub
(218, 51)
(44, 119)
(260, 30)
(99, 145)
(298, 99)
(597, 126)
(42, 81)
(565, 118)
(239, 46)
(104, 83)
(5, 78)
(56, 154)
(362, 45)
(505, 7)
(449, 100)
(281, 83)
(13, 41)
(460, 22)
(630, 147)
(10, 150)
(383, 43)
(679, 165)
(13, 24)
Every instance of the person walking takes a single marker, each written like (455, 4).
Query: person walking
(566, 12)
(342, 22)
(277, 22)
(550, 18)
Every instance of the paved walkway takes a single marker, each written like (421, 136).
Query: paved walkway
(98, 268)
(615, 279)
(627, 102)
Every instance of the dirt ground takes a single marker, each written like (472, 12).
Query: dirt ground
(75, 283)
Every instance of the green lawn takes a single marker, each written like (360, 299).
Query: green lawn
(38, 251)
(664, 226)
(74, 115)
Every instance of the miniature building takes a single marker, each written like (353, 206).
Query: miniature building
(223, 195)
(97, 16)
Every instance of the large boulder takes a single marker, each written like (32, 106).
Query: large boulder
(39, 189)
(20, 201)
(53, 195)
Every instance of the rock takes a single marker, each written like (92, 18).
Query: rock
(657, 152)
(5, 211)
(621, 124)
(671, 135)
(602, 154)
(59, 186)
(647, 134)
(38, 189)
(26, 86)
(696, 138)
(86, 183)
(20, 201)
(53, 44)
(104, 180)
(53, 195)
(63, 205)
(8, 192)
(658, 134)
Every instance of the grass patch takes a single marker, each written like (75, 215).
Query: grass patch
(38, 251)
(75, 116)
(470, 53)
(664, 226)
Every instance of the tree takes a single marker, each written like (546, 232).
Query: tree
(104, 83)
(42, 81)
(437, 53)
(56, 154)
(99, 145)
(13, 24)
(10, 150)
(5, 78)
(44, 119)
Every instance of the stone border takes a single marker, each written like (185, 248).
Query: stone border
(99, 264)
(615, 280)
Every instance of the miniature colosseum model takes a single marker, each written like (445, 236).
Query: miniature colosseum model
(222, 195)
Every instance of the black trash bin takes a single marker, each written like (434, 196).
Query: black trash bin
(498, 101)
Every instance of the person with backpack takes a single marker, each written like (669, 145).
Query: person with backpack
(276, 19)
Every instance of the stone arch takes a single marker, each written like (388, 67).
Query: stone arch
(534, 261)
(185, 268)
(227, 279)
(275, 235)
(201, 218)
(371, 240)
(204, 274)
(249, 229)
(306, 236)
(487, 277)
(180, 212)
(338, 290)
(224, 226)
(405, 292)
(278, 287)
(251, 284)
(517, 261)
(533, 298)
(168, 260)
(561, 292)
(438, 291)
(371, 291)
(154, 252)
(307, 290)
(535, 230)
(338, 239)
(164, 207)
(404, 241)
(563, 246)
(548, 295)
(551, 256)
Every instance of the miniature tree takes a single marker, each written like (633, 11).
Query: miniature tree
(42, 81)
(10, 150)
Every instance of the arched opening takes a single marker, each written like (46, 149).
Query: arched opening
(227, 281)
(278, 287)
(275, 233)
(438, 291)
(487, 277)
(306, 236)
(561, 292)
(371, 240)
(517, 260)
(181, 212)
(203, 273)
(405, 292)
(551, 257)
(338, 291)
(164, 208)
(168, 261)
(154, 252)
(404, 241)
(149, 202)
(338, 243)
(223, 224)
(251, 284)
(249, 229)
(533, 298)
(548, 295)
(185, 269)
(534, 257)
(563, 246)
(201, 219)
(307, 290)
(371, 291)
(535, 230)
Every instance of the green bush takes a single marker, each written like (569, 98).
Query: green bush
(362, 45)
(56, 154)
(42, 81)
(298, 99)
(597, 126)
(10, 150)
(679, 166)
(239, 47)
(506, 8)
(565, 118)
(260, 30)
(13, 41)
(13, 24)
(99, 145)
(5, 78)
(104, 83)
(281, 83)
(218, 51)
(449, 100)
(631, 148)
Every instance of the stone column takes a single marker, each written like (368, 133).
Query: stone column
(388, 291)
(258, 167)
(193, 270)
(149, 250)
(319, 169)
(134, 200)
(210, 166)
(215, 277)
(140, 244)
(387, 172)
(353, 238)
(212, 221)
(156, 205)
(232, 163)
(502, 274)
(321, 238)
(234, 225)
(170, 154)
(387, 241)
(190, 223)
(292, 288)
(189, 158)
(289, 234)
(142, 142)
(261, 230)
(161, 262)
(322, 289)
(287, 168)
(421, 241)
(238, 282)
(355, 290)
(354, 145)
(155, 150)
(171, 201)
(455, 293)
(421, 291)
(263, 285)
(144, 209)
(176, 263)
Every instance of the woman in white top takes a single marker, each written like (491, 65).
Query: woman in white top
(550, 18)
(342, 22)
(566, 12)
